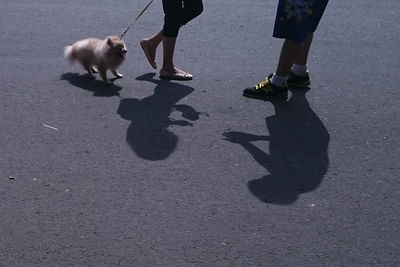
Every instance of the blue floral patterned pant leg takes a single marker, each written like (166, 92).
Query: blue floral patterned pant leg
(296, 18)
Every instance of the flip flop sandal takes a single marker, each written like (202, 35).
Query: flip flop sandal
(175, 76)
(145, 46)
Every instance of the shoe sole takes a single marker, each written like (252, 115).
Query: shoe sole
(175, 78)
(270, 99)
(299, 85)
(171, 76)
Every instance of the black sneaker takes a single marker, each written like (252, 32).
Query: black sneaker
(266, 91)
(298, 81)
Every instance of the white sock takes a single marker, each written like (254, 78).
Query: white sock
(279, 81)
(299, 70)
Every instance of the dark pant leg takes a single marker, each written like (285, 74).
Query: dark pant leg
(173, 11)
(191, 9)
(178, 13)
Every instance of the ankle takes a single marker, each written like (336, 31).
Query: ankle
(169, 67)
(279, 81)
(299, 70)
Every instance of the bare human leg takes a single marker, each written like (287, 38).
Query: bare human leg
(289, 53)
(169, 71)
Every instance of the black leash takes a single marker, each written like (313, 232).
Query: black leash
(141, 13)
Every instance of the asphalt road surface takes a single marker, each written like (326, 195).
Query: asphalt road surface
(155, 173)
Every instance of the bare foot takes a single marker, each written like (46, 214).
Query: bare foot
(150, 52)
(117, 74)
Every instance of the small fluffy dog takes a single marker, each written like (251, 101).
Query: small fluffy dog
(97, 55)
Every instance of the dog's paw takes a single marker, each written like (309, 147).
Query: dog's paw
(94, 69)
(118, 75)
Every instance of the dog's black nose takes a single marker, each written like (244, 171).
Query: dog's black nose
(124, 51)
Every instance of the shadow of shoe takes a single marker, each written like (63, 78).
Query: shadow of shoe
(298, 151)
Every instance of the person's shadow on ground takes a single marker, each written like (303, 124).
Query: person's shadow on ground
(298, 151)
(148, 134)
(98, 87)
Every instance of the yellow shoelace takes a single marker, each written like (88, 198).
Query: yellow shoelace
(263, 84)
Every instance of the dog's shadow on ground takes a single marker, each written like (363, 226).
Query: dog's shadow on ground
(148, 134)
(98, 87)
(298, 151)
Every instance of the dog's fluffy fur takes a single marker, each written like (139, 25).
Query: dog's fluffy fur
(97, 55)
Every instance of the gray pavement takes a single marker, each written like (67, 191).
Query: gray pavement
(155, 173)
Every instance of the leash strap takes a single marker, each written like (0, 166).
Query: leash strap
(140, 14)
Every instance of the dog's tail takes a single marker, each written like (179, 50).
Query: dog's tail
(69, 53)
